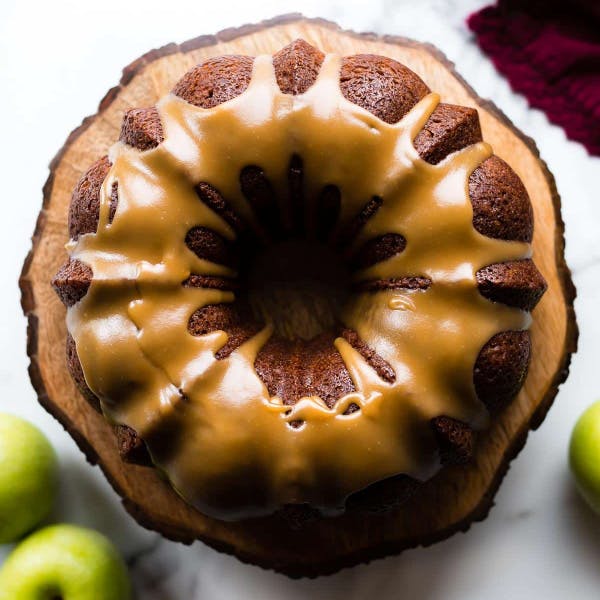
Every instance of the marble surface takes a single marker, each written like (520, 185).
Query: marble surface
(56, 61)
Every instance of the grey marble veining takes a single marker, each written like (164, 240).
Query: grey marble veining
(538, 542)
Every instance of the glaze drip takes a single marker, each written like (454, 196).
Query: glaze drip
(224, 443)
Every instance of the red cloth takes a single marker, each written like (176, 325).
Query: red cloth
(550, 52)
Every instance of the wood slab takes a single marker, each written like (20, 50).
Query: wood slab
(448, 503)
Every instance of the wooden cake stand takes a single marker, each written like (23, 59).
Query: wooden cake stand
(448, 503)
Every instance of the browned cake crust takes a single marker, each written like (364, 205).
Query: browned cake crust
(295, 368)
(131, 447)
(381, 85)
(395, 283)
(142, 128)
(501, 206)
(85, 203)
(72, 281)
(379, 249)
(455, 440)
(449, 129)
(236, 319)
(211, 282)
(211, 246)
(213, 199)
(215, 81)
(381, 367)
(76, 372)
(515, 283)
(501, 368)
(297, 66)
(292, 369)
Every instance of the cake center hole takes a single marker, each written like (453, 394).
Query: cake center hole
(300, 286)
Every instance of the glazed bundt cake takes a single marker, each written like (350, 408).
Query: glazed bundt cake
(299, 283)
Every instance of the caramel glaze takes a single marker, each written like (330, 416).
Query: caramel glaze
(227, 446)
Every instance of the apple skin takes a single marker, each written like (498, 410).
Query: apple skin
(67, 562)
(584, 455)
(28, 477)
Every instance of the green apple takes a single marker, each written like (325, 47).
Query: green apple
(28, 477)
(66, 562)
(584, 455)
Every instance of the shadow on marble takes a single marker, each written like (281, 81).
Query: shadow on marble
(582, 534)
(86, 498)
(172, 572)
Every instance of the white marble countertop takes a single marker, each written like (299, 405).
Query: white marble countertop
(56, 61)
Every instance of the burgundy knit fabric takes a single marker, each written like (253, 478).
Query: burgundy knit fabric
(550, 52)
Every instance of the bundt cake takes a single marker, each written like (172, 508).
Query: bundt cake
(299, 283)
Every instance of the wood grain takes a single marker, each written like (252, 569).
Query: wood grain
(448, 503)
